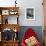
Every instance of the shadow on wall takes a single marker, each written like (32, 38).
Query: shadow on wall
(37, 29)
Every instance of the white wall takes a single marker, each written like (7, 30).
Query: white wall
(37, 4)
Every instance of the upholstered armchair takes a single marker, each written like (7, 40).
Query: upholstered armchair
(30, 38)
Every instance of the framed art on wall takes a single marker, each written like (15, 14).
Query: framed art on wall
(5, 12)
(30, 13)
(13, 20)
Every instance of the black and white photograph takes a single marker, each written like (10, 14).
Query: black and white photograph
(30, 13)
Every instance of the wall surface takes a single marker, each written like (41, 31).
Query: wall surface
(37, 4)
(23, 4)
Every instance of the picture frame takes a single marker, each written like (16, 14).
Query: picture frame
(13, 12)
(13, 20)
(30, 13)
(5, 12)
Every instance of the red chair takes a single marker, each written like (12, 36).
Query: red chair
(29, 33)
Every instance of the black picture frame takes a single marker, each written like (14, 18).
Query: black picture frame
(30, 13)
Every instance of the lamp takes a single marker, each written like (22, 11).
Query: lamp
(15, 3)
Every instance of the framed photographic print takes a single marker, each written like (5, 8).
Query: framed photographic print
(30, 13)
(12, 20)
(5, 12)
